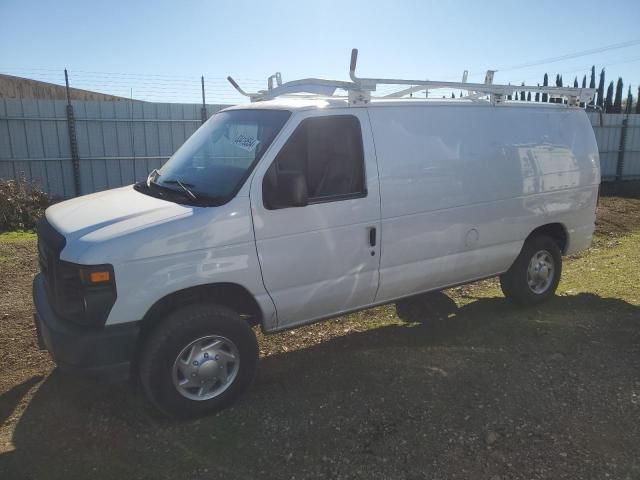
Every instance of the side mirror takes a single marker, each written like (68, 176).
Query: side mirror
(290, 190)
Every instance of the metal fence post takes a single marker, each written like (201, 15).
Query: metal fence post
(73, 139)
(203, 110)
(623, 145)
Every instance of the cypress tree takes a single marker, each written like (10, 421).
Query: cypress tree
(538, 95)
(453, 95)
(617, 103)
(545, 83)
(515, 96)
(627, 109)
(608, 101)
(600, 102)
(558, 80)
(558, 84)
(509, 96)
(529, 96)
(522, 94)
(575, 82)
(592, 83)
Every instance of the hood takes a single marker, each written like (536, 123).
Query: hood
(111, 214)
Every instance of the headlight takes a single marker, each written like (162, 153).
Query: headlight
(85, 293)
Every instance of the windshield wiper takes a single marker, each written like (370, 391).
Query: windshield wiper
(184, 187)
(153, 174)
(152, 181)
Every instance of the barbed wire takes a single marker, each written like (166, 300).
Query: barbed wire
(188, 88)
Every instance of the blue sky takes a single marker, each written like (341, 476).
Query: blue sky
(159, 49)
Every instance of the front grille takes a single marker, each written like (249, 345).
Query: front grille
(50, 244)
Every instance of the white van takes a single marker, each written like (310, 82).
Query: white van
(288, 211)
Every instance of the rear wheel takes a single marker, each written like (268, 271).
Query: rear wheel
(534, 276)
(198, 360)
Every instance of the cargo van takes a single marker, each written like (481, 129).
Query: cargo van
(300, 207)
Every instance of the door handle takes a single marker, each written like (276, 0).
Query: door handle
(372, 236)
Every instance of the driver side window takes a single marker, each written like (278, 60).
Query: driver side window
(328, 152)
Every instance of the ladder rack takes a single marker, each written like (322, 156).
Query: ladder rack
(359, 89)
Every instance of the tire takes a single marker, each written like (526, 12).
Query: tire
(168, 361)
(527, 288)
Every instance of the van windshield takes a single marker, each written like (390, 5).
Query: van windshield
(211, 166)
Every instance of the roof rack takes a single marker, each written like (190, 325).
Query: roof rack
(359, 89)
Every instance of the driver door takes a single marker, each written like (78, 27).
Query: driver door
(321, 259)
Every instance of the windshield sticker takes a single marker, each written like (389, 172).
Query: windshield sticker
(246, 142)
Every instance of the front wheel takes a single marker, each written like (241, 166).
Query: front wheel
(198, 360)
(534, 276)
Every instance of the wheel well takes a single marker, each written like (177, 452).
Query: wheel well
(556, 231)
(230, 295)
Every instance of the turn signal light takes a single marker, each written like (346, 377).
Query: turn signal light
(99, 277)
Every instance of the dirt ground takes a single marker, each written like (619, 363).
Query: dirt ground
(461, 385)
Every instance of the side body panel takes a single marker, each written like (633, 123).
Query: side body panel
(463, 186)
(316, 260)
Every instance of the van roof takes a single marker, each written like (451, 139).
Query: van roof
(311, 102)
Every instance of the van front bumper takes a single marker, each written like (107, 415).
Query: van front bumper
(105, 353)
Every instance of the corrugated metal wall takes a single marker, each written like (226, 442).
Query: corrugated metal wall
(609, 129)
(119, 143)
(631, 167)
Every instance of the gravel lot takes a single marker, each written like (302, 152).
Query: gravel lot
(461, 385)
